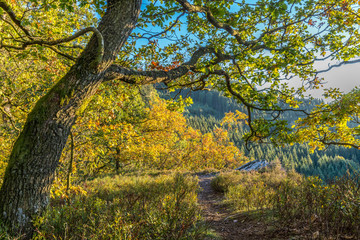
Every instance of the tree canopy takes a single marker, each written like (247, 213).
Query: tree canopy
(247, 49)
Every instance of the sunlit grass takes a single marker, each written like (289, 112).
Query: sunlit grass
(127, 207)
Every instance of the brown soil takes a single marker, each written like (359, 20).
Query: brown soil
(230, 226)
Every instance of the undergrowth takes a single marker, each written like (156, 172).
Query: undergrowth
(312, 207)
(331, 210)
(126, 207)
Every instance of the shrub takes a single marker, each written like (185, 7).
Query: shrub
(127, 207)
(223, 181)
(331, 209)
(252, 190)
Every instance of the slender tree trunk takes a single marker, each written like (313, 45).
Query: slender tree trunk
(36, 153)
(68, 176)
(117, 161)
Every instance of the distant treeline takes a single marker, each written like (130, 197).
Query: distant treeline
(209, 108)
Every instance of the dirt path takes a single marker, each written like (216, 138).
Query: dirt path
(225, 224)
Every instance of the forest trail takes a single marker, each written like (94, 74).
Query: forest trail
(223, 222)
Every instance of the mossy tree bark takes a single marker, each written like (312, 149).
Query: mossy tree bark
(36, 152)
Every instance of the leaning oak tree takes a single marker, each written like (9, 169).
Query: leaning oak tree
(247, 49)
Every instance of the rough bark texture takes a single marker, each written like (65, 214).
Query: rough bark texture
(36, 152)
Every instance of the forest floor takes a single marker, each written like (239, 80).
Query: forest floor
(226, 225)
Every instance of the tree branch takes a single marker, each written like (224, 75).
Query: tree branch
(246, 103)
(63, 54)
(100, 48)
(210, 17)
(164, 31)
(150, 77)
(62, 40)
(235, 33)
(10, 118)
(338, 65)
(339, 144)
(13, 17)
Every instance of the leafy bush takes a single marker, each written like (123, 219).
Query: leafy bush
(331, 209)
(252, 190)
(245, 196)
(126, 207)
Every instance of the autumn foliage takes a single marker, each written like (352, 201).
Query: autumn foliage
(133, 133)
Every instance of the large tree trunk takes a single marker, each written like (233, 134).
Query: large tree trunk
(35, 155)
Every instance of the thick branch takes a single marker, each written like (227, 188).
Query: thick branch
(99, 50)
(340, 144)
(150, 77)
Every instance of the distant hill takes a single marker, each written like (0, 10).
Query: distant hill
(209, 108)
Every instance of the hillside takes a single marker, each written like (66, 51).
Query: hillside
(209, 107)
